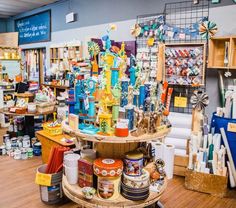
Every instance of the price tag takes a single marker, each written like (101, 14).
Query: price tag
(231, 127)
(43, 179)
(180, 102)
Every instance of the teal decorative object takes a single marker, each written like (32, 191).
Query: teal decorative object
(207, 29)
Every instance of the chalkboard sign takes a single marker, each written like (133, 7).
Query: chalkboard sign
(34, 28)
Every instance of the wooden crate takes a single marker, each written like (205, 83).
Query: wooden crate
(216, 52)
(206, 183)
(161, 67)
(180, 165)
(233, 53)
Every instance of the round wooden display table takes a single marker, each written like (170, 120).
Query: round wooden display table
(29, 119)
(114, 139)
(74, 193)
(112, 146)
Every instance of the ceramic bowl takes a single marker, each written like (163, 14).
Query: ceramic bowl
(88, 192)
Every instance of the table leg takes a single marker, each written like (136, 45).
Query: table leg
(159, 204)
(29, 126)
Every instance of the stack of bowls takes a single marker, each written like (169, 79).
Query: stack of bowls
(71, 167)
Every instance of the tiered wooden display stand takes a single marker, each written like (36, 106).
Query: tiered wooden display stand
(111, 147)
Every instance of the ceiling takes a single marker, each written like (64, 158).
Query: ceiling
(10, 8)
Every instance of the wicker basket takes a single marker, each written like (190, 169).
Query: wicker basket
(45, 107)
(57, 130)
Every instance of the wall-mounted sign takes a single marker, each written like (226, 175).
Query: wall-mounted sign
(34, 28)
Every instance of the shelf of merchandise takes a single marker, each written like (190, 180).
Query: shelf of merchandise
(57, 52)
(114, 139)
(74, 193)
(216, 52)
(4, 104)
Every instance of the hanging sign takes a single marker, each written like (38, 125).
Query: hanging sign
(43, 179)
(34, 28)
(231, 127)
(180, 102)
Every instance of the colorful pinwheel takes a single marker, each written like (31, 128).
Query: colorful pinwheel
(207, 29)
(199, 100)
(136, 30)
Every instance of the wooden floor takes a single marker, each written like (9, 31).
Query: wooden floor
(17, 189)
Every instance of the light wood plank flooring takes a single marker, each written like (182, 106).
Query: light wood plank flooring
(17, 189)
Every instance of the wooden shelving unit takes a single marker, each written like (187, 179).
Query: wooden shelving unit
(233, 52)
(176, 72)
(65, 52)
(216, 53)
(9, 54)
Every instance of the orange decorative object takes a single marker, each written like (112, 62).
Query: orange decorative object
(106, 167)
(18, 78)
(115, 49)
(122, 132)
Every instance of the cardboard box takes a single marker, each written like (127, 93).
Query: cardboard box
(85, 173)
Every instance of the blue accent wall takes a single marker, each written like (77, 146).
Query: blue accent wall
(3, 25)
(94, 12)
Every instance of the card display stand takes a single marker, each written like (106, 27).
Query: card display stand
(184, 63)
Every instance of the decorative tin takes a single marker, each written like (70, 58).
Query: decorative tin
(24, 154)
(30, 152)
(26, 141)
(85, 168)
(37, 149)
(3, 150)
(133, 163)
(134, 194)
(14, 143)
(142, 181)
(108, 187)
(8, 144)
(5, 138)
(108, 167)
(17, 154)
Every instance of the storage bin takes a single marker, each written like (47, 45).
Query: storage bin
(218, 122)
(207, 183)
(45, 107)
(53, 131)
(52, 194)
